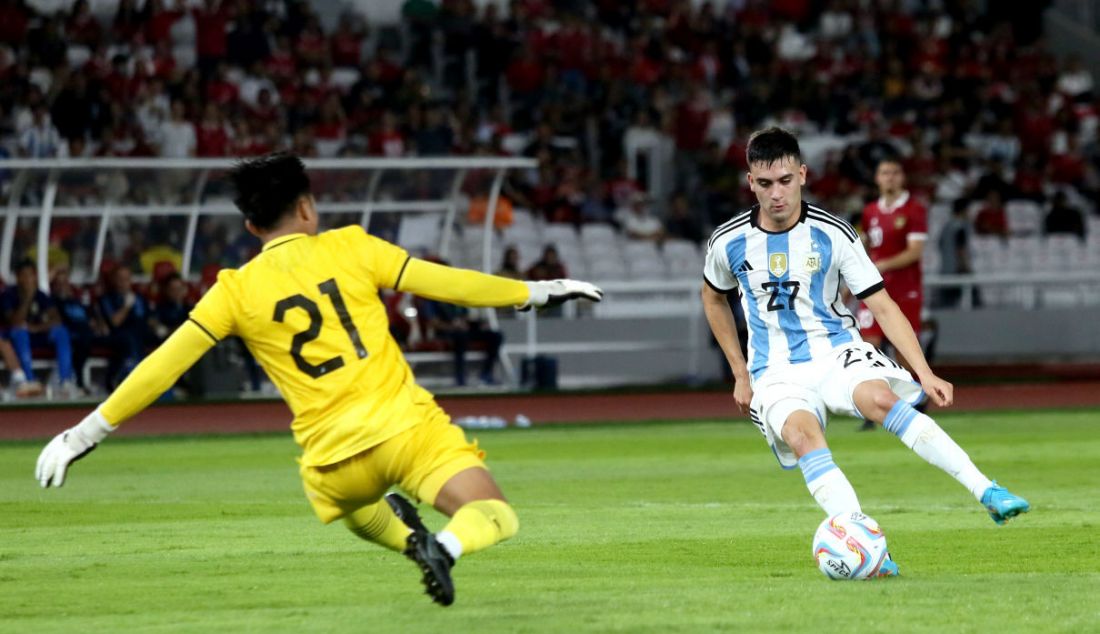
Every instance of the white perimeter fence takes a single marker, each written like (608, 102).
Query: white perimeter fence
(85, 211)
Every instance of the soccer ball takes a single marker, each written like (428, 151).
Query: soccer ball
(849, 546)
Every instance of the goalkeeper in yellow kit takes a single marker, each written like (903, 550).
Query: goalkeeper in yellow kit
(308, 308)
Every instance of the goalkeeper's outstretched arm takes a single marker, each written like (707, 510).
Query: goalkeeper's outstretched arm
(151, 378)
(471, 288)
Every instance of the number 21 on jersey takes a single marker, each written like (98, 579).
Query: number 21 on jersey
(301, 302)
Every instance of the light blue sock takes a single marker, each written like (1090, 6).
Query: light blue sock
(827, 483)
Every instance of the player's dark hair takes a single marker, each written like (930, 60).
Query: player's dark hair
(891, 158)
(25, 263)
(268, 188)
(771, 145)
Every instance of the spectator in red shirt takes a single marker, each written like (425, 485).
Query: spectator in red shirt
(14, 19)
(1068, 166)
(82, 27)
(265, 110)
(1030, 179)
(312, 47)
(281, 64)
(159, 20)
(991, 219)
(128, 21)
(98, 66)
(164, 61)
(525, 75)
(211, 45)
(119, 84)
(220, 89)
(346, 45)
(331, 129)
(692, 118)
(211, 136)
(387, 140)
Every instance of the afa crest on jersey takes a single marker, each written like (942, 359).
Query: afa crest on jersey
(813, 262)
(777, 264)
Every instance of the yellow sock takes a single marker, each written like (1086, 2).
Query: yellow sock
(379, 524)
(477, 526)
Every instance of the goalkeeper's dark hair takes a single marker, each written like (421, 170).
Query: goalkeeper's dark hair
(772, 145)
(268, 188)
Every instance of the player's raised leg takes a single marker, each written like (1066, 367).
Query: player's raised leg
(920, 433)
(826, 482)
(480, 517)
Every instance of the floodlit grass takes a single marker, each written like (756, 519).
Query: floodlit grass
(635, 528)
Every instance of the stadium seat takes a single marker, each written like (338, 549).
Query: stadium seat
(643, 269)
(521, 233)
(609, 269)
(987, 254)
(557, 233)
(930, 262)
(596, 233)
(635, 250)
(419, 231)
(1092, 229)
(1023, 253)
(1060, 297)
(328, 148)
(938, 215)
(523, 218)
(576, 268)
(1024, 217)
(1062, 253)
(569, 252)
(676, 248)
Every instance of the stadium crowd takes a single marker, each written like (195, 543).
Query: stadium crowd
(966, 92)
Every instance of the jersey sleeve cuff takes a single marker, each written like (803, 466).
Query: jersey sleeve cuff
(867, 292)
(722, 291)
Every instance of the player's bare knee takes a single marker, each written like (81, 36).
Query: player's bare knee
(802, 433)
(874, 399)
(883, 400)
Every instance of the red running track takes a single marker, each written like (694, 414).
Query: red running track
(266, 416)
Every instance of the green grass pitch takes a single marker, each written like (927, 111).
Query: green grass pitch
(662, 527)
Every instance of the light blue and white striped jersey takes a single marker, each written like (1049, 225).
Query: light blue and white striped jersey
(790, 283)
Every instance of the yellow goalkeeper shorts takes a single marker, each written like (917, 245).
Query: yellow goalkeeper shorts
(420, 460)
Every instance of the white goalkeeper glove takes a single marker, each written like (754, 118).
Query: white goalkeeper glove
(554, 292)
(68, 447)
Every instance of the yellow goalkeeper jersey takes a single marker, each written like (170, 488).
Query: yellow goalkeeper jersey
(309, 311)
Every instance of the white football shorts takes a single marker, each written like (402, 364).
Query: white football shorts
(820, 386)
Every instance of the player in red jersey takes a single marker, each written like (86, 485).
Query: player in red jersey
(895, 228)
